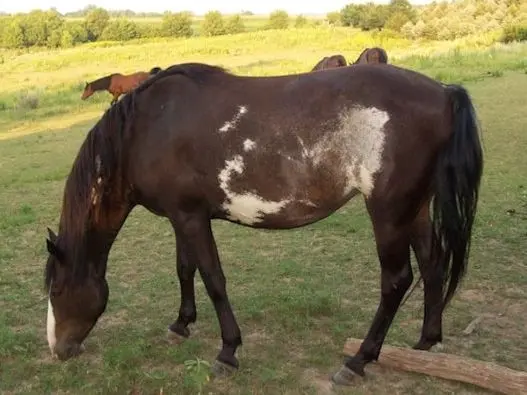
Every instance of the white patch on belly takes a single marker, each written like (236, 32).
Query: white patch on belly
(52, 340)
(248, 145)
(358, 144)
(248, 208)
(234, 121)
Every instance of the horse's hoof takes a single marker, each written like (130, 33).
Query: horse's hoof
(345, 376)
(176, 338)
(221, 369)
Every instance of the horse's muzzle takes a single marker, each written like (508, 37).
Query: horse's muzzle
(65, 351)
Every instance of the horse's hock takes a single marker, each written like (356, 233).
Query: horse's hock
(486, 375)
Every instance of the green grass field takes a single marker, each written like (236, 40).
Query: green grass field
(297, 294)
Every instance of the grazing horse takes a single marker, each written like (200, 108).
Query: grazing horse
(155, 70)
(196, 143)
(330, 62)
(369, 56)
(117, 84)
(372, 56)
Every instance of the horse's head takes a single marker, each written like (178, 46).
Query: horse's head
(74, 304)
(88, 91)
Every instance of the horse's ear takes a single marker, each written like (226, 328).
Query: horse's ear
(52, 236)
(54, 250)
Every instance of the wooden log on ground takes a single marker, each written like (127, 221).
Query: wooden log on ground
(451, 367)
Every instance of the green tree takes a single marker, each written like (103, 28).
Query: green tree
(96, 21)
(278, 19)
(352, 14)
(333, 18)
(77, 31)
(176, 24)
(373, 17)
(121, 29)
(14, 34)
(300, 21)
(396, 21)
(66, 39)
(213, 24)
(234, 25)
(401, 7)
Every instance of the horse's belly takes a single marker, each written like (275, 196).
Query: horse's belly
(297, 195)
(295, 179)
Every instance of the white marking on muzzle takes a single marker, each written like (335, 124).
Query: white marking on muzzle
(52, 340)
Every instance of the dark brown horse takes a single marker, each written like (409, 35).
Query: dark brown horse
(195, 143)
(372, 56)
(330, 62)
(117, 84)
(369, 56)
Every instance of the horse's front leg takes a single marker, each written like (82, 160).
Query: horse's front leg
(195, 232)
(186, 270)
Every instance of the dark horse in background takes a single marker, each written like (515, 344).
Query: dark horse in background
(117, 84)
(196, 143)
(368, 56)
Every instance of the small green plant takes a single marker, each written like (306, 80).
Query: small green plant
(198, 373)
(27, 101)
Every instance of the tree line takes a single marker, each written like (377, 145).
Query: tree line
(437, 20)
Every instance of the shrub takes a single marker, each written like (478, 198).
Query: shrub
(300, 21)
(213, 24)
(514, 33)
(27, 101)
(234, 25)
(176, 25)
(278, 19)
(120, 30)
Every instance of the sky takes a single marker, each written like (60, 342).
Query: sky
(197, 6)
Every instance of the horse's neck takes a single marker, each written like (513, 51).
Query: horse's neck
(101, 84)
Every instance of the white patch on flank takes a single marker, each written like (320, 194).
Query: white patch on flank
(305, 151)
(248, 145)
(248, 208)
(234, 121)
(52, 340)
(358, 144)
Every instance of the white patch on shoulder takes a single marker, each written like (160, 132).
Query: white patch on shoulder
(358, 144)
(234, 121)
(248, 145)
(52, 340)
(247, 208)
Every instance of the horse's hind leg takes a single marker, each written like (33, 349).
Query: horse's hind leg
(432, 275)
(186, 270)
(393, 247)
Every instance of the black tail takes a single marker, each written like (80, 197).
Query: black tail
(457, 180)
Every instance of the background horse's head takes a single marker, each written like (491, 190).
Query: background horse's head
(88, 91)
(331, 62)
(372, 56)
(75, 302)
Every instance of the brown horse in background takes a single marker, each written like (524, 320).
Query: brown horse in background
(372, 55)
(331, 62)
(117, 84)
(369, 55)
